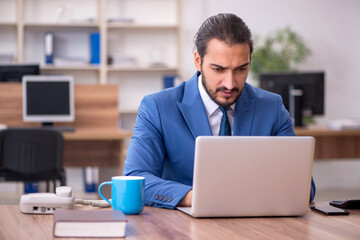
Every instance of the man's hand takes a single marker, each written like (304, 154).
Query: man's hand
(186, 201)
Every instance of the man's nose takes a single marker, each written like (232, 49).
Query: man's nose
(229, 80)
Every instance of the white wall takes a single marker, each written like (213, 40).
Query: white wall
(331, 29)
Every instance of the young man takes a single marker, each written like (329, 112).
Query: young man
(168, 122)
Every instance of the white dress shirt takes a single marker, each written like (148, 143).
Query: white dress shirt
(213, 111)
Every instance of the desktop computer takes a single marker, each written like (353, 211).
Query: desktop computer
(49, 99)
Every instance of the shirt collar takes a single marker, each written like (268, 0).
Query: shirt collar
(209, 104)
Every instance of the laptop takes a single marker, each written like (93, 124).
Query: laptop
(251, 176)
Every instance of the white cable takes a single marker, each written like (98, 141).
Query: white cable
(93, 203)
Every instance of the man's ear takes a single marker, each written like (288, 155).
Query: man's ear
(197, 61)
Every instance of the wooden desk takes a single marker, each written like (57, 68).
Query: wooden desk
(154, 223)
(331, 144)
(95, 148)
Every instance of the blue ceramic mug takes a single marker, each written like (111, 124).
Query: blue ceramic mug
(127, 194)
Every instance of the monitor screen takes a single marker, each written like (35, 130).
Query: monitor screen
(311, 84)
(15, 72)
(48, 99)
(302, 93)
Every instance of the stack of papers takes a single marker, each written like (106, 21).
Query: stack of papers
(344, 124)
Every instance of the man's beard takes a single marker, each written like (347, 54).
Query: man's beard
(213, 94)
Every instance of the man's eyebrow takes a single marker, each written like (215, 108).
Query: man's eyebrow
(244, 65)
(219, 66)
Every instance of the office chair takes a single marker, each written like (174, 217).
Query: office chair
(32, 154)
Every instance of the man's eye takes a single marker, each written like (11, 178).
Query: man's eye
(218, 69)
(242, 69)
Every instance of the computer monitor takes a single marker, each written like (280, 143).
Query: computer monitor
(48, 99)
(15, 72)
(302, 92)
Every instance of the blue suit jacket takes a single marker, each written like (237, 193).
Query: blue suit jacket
(168, 122)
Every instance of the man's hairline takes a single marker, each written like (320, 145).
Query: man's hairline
(206, 47)
(226, 42)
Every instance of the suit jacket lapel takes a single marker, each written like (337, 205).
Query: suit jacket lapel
(193, 110)
(244, 114)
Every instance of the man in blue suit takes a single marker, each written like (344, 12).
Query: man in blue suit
(168, 122)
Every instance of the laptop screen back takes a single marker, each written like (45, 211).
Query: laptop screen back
(252, 176)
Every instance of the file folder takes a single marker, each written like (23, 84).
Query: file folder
(95, 48)
(49, 47)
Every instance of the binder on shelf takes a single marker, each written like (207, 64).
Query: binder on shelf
(91, 179)
(49, 47)
(95, 48)
(169, 81)
(31, 187)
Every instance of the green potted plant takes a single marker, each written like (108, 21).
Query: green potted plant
(280, 51)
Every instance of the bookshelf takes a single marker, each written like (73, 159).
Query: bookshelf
(141, 37)
(7, 24)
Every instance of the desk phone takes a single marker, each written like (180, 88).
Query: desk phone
(46, 203)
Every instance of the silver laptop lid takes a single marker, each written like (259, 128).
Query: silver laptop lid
(252, 176)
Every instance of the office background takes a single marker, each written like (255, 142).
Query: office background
(328, 27)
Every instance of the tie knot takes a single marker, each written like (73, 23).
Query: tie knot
(224, 109)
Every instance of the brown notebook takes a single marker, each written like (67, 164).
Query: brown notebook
(93, 223)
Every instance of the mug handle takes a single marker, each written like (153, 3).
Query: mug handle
(101, 185)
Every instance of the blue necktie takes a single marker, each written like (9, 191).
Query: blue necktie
(225, 129)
